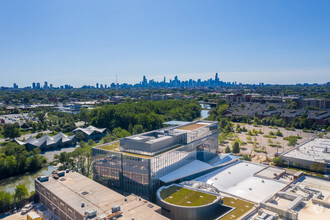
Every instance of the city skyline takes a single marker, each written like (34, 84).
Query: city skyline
(215, 81)
(80, 42)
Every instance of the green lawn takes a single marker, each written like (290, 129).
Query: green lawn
(241, 207)
(186, 197)
(110, 146)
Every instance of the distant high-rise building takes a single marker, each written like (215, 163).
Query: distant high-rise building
(97, 85)
(51, 86)
(216, 78)
(38, 85)
(33, 85)
(144, 81)
(15, 86)
(46, 85)
(101, 86)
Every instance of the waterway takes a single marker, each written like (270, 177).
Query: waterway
(27, 179)
(9, 184)
(205, 111)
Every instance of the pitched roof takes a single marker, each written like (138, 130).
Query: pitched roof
(89, 130)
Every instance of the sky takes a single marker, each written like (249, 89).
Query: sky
(81, 42)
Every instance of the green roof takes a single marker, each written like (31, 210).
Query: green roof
(241, 207)
(186, 197)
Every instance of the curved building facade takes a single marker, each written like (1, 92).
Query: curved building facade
(182, 208)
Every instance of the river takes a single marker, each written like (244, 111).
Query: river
(9, 184)
(27, 179)
(205, 111)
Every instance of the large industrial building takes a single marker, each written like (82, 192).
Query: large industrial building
(76, 197)
(313, 154)
(136, 163)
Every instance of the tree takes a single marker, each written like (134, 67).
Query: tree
(227, 150)
(120, 133)
(41, 116)
(292, 141)
(5, 200)
(39, 135)
(236, 148)
(246, 157)
(21, 192)
(83, 115)
(80, 136)
(318, 167)
(11, 131)
(137, 129)
(90, 142)
(278, 161)
(279, 133)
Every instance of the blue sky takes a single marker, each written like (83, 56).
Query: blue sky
(83, 42)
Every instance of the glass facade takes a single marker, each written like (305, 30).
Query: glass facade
(140, 174)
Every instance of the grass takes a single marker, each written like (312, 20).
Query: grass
(292, 136)
(186, 197)
(24, 132)
(275, 145)
(110, 146)
(241, 207)
(192, 127)
(270, 136)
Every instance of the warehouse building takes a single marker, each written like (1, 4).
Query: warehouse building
(314, 154)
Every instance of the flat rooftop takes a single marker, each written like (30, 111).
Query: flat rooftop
(74, 188)
(155, 142)
(178, 195)
(317, 150)
(309, 209)
(239, 180)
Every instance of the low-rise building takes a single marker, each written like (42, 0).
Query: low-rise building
(314, 154)
(48, 142)
(92, 132)
(76, 197)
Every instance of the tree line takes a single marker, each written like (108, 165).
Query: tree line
(20, 197)
(15, 159)
(142, 115)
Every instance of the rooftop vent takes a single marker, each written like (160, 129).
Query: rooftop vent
(84, 193)
(82, 205)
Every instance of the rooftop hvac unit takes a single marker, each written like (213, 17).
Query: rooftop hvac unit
(116, 208)
(91, 213)
(43, 178)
